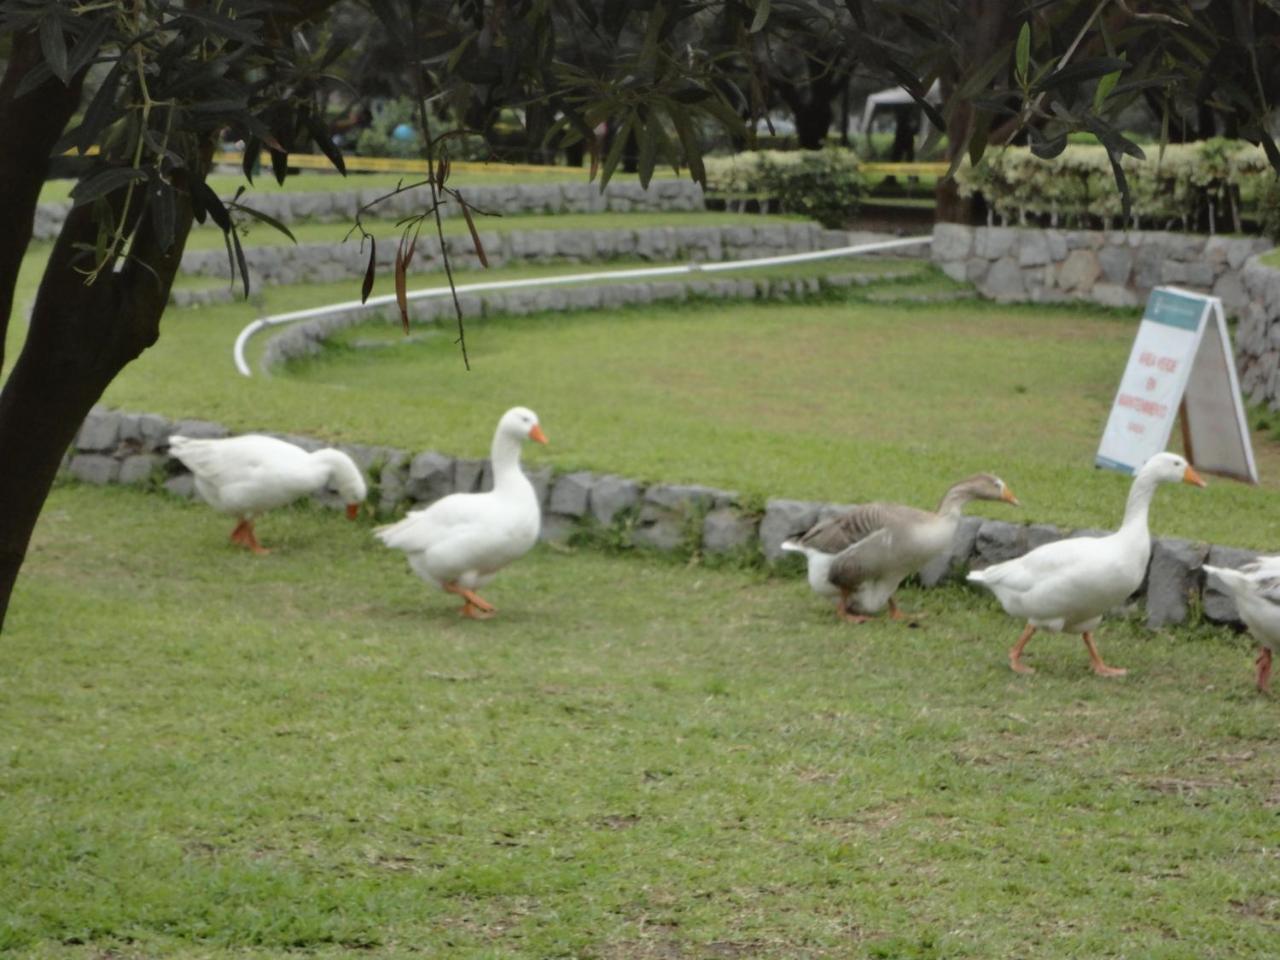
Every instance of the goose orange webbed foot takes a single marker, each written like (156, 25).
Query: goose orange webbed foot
(1095, 659)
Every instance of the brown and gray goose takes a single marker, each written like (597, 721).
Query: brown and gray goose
(860, 557)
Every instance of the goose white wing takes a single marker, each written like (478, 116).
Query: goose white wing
(1063, 583)
(245, 473)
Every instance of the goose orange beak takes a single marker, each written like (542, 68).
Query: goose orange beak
(353, 510)
(1008, 497)
(537, 434)
(1193, 478)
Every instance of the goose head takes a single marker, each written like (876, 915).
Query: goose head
(347, 480)
(1169, 468)
(987, 486)
(520, 424)
(981, 486)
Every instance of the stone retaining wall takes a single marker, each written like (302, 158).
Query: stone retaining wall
(1257, 337)
(1109, 267)
(306, 337)
(328, 206)
(326, 263)
(130, 448)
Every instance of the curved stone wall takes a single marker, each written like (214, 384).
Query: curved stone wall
(118, 447)
(1109, 267)
(341, 205)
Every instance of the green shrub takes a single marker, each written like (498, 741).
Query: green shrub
(1214, 183)
(824, 184)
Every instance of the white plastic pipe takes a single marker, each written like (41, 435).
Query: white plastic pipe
(271, 321)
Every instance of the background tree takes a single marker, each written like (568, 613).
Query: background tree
(150, 85)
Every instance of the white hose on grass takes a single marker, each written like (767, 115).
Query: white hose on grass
(275, 320)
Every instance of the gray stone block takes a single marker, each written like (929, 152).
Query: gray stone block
(783, 519)
(1173, 576)
(611, 495)
(1033, 250)
(1038, 534)
(100, 431)
(541, 478)
(393, 482)
(571, 494)
(1116, 264)
(183, 485)
(468, 475)
(140, 467)
(95, 468)
(666, 532)
(1080, 271)
(1004, 280)
(951, 241)
(725, 529)
(1217, 605)
(556, 529)
(200, 430)
(999, 541)
(430, 477)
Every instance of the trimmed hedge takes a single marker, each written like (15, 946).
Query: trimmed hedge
(1212, 185)
(826, 185)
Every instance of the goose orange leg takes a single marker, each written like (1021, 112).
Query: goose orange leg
(1015, 653)
(845, 614)
(237, 535)
(896, 614)
(475, 606)
(1264, 669)
(1095, 659)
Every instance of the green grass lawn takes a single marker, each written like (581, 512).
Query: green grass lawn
(207, 754)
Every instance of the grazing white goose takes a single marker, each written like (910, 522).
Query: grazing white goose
(460, 541)
(864, 554)
(246, 476)
(1066, 586)
(1255, 587)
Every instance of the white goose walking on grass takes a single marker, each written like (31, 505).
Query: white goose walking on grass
(861, 556)
(1066, 586)
(1255, 587)
(460, 541)
(246, 476)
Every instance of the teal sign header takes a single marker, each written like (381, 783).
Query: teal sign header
(1175, 309)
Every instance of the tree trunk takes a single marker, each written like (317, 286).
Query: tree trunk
(41, 116)
(982, 26)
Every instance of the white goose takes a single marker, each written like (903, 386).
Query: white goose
(1066, 586)
(460, 541)
(863, 555)
(246, 476)
(1255, 587)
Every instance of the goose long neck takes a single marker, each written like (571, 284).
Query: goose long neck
(505, 457)
(953, 501)
(334, 466)
(1139, 503)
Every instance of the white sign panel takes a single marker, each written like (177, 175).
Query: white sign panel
(1181, 362)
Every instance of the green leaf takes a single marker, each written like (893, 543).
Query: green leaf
(648, 153)
(265, 218)
(1022, 58)
(1105, 86)
(615, 152)
(53, 44)
(322, 140)
(240, 262)
(692, 150)
(1076, 72)
(761, 17)
(210, 202)
(366, 287)
(103, 183)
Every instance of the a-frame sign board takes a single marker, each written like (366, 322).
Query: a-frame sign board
(1181, 363)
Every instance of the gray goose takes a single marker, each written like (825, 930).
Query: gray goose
(860, 557)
